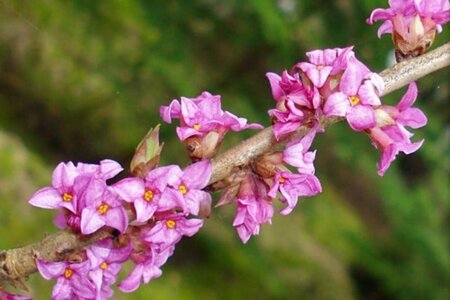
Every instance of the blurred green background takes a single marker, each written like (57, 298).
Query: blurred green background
(83, 80)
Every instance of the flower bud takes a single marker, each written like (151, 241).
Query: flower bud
(146, 157)
(201, 147)
(266, 165)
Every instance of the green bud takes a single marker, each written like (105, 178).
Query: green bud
(147, 154)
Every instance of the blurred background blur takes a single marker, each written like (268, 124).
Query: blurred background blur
(83, 80)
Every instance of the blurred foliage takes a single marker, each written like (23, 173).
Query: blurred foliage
(83, 80)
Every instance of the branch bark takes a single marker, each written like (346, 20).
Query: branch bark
(20, 262)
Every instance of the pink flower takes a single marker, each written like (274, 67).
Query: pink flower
(323, 63)
(64, 192)
(432, 13)
(190, 184)
(292, 186)
(297, 155)
(151, 194)
(358, 95)
(105, 264)
(253, 207)
(171, 228)
(148, 267)
(203, 114)
(413, 24)
(295, 102)
(72, 279)
(101, 207)
(390, 134)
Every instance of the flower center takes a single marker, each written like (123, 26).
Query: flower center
(320, 67)
(67, 197)
(183, 189)
(281, 179)
(354, 100)
(104, 265)
(197, 126)
(102, 209)
(170, 224)
(148, 195)
(68, 273)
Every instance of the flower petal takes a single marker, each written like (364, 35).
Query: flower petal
(90, 220)
(47, 197)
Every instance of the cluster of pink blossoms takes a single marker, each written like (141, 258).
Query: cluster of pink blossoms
(147, 215)
(270, 179)
(203, 123)
(334, 83)
(254, 190)
(412, 23)
(166, 205)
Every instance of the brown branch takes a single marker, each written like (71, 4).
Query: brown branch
(20, 262)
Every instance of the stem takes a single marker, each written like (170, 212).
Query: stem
(20, 262)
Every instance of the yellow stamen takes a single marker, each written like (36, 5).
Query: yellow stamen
(170, 224)
(183, 189)
(104, 265)
(102, 209)
(67, 197)
(197, 126)
(281, 179)
(148, 195)
(354, 100)
(68, 273)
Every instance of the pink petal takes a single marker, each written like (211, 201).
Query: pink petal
(90, 220)
(351, 79)
(209, 104)
(408, 98)
(387, 156)
(144, 210)
(117, 217)
(197, 175)
(50, 270)
(129, 189)
(337, 104)
(46, 197)
(109, 168)
(162, 176)
(171, 111)
(186, 132)
(62, 290)
(412, 117)
(133, 280)
(274, 80)
(361, 117)
(150, 273)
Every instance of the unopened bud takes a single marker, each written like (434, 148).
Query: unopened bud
(146, 157)
(413, 40)
(202, 147)
(266, 165)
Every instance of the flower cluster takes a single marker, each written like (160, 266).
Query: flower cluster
(165, 206)
(85, 202)
(203, 123)
(334, 83)
(254, 191)
(412, 23)
(146, 215)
